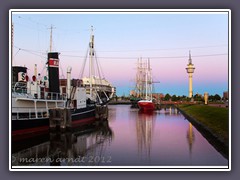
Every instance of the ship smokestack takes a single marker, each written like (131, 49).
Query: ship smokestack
(53, 72)
(19, 73)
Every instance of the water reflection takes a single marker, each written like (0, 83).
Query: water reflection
(70, 148)
(129, 138)
(144, 128)
(170, 111)
(190, 138)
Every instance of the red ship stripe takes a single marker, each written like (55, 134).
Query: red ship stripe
(46, 128)
(83, 121)
(29, 130)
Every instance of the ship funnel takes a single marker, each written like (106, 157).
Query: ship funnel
(53, 72)
(19, 74)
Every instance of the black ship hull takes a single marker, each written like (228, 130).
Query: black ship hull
(36, 126)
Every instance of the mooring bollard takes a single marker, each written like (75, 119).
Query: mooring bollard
(61, 117)
(52, 114)
(101, 112)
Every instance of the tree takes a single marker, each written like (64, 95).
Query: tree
(167, 97)
(197, 97)
(183, 98)
(211, 98)
(174, 98)
(217, 97)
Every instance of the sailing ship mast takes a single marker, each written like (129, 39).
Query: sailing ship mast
(146, 82)
(140, 79)
(150, 79)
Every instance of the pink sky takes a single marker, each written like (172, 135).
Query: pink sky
(120, 43)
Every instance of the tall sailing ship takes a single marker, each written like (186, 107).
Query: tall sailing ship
(146, 104)
(138, 92)
(141, 96)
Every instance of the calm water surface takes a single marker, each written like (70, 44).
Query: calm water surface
(129, 138)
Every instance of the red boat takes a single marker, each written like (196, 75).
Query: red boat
(146, 105)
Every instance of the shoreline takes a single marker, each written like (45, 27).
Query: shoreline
(216, 141)
(120, 102)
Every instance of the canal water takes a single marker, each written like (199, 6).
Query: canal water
(128, 138)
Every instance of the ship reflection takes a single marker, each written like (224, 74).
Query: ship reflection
(172, 111)
(68, 149)
(144, 128)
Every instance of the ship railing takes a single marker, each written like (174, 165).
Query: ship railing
(45, 95)
(20, 89)
(55, 96)
(99, 87)
(39, 113)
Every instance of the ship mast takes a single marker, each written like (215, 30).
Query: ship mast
(137, 79)
(91, 45)
(141, 76)
(146, 79)
(12, 36)
(150, 79)
(93, 82)
(51, 28)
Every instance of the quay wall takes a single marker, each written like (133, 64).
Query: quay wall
(220, 145)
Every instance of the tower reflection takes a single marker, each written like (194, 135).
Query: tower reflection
(190, 138)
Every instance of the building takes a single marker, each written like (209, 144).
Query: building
(158, 95)
(225, 95)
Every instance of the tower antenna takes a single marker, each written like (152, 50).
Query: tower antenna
(190, 59)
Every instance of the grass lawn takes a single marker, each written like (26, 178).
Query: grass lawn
(214, 118)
